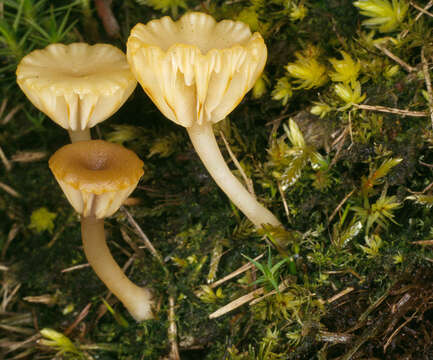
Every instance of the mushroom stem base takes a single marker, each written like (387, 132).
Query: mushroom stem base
(203, 139)
(80, 135)
(137, 300)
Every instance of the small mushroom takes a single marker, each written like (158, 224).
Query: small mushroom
(96, 177)
(77, 85)
(196, 71)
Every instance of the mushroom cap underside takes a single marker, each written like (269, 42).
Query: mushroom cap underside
(196, 69)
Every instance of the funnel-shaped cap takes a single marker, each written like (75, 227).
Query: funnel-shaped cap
(76, 85)
(195, 69)
(96, 176)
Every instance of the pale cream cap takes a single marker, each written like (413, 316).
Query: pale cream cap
(195, 69)
(76, 85)
(96, 176)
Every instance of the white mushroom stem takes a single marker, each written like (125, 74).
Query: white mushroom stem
(137, 300)
(203, 139)
(80, 135)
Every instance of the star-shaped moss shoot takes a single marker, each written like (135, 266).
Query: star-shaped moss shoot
(96, 177)
(77, 85)
(196, 71)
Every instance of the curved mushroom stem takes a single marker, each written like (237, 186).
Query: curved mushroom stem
(79, 135)
(137, 300)
(203, 139)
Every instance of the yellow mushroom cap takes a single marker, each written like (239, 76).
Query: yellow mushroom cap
(76, 85)
(195, 69)
(96, 176)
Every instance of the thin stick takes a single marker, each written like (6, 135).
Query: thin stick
(235, 273)
(237, 303)
(3, 267)
(427, 83)
(3, 106)
(28, 156)
(398, 330)
(423, 11)
(350, 129)
(248, 181)
(392, 110)
(11, 114)
(131, 243)
(76, 267)
(424, 164)
(423, 242)
(335, 338)
(5, 160)
(340, 137)
(172, 331)
(428, 6)
(46, 299)
(340, 294)
(376, 304)
(9, 190)
(395, 58)
(111, 26)
(11, 236)
(17, 345)
(283, 198)
(144, 237)
(79, 318)
(8, 297)
(340, 205)
(283, 286)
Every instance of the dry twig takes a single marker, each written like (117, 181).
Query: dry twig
(9, 190)
(237, 303)
(5, 160)
(396, 331)
(247, 180)
(11, 236)
(428, 6)
(11, 114)
(283, 198)
(78, 319)
(28, 156)
(235, 273)
(172, 331)
(423, 242)
(7, 297)
(395, 58)
(421, 10)
(392, 110)
(427, 79)
(144, 237)
(76, 267)
(342, 202)
(283, 286)
(340, 294)
(111, 26)
(339, 142)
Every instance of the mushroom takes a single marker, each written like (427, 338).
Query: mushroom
(96, 177)
(196, 71)
(77, 85)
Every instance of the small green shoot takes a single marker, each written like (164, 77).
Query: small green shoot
(59, 342)
(42, 220)
(118, 317)
(270, 272)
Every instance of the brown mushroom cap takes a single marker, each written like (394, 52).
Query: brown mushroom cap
(96, 176)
